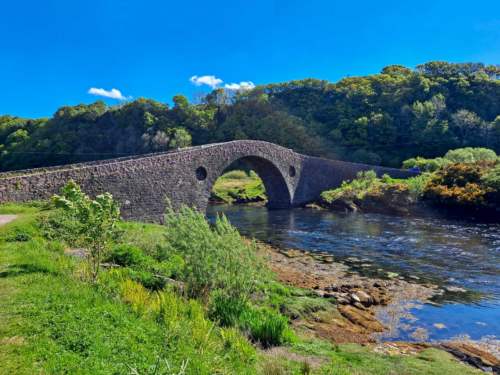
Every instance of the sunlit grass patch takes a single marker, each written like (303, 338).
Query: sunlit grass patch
(239, 186)
(22, 208)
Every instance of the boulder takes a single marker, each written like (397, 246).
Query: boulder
(364, 298)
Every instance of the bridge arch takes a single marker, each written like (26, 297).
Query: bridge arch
(278, 191)
(186, 177)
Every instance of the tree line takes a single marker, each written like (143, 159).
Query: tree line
(382, 119)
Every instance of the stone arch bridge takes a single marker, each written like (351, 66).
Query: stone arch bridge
(186, 176)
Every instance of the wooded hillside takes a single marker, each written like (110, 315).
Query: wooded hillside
(380, 119)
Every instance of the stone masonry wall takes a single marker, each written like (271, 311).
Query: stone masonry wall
(142, 183)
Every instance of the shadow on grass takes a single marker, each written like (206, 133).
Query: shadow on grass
(24, 269)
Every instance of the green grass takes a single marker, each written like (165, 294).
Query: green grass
(52, 321)
(368, 183)
(19, 208)
(350, 359)
(239, 186)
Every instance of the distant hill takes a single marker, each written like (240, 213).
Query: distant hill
(381, 119)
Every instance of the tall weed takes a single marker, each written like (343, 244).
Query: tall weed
(215, 257)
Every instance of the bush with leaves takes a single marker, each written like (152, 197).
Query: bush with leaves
(459, 155)
(354, 189)
(266, 326)
(215, 256)
(470, 155)
(126, 255)
(86, 222)
(492, 178)
(226, 310)
(425, 165)
(261, 324)
(460, 184)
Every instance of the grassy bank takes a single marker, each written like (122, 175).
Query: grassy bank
(239, 187)
(369, 193)
(184, 298)
(465, 181)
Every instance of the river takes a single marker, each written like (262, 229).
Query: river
(461, 257)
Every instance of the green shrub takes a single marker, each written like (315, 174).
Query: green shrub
(457, 185)
(190, 335)
(152, 274)
(265, 326)
(237, 345)
(91, 223)
(416, 185)
(224, 309)
(126, 255)
(171, 267)
(459, 155)
(368, 185)
(470, 155)
(215, 257)
(18, 236)
(425, 165)
(110, 281)
(355, 188)
(492, 178)
(148, 279)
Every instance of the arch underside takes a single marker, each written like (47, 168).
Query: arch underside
(277, 190)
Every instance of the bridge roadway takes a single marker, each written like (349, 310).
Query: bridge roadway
(186, 176)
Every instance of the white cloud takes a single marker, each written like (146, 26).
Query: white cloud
(211, 81)
(112, 94)
(242, 86)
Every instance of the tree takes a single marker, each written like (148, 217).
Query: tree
(180, 138)
(396, 70)
(90, 223)
(469, 127)
(397, 114)
(494, 133)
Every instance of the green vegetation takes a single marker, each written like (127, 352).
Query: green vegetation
(86, 222)
(379, 119)
(370, 193)
(461, 155)
(239, 187)
(54, 320)
(215, 257)
(467, 179)
(472, 186)
(367, 183)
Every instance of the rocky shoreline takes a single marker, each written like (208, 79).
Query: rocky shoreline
(358, 298)
(364, 310)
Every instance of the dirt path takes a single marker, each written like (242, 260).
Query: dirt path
(4, 219)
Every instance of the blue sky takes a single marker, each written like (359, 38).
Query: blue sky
(53, 52)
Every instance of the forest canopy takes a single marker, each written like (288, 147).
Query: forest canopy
(382, 118)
